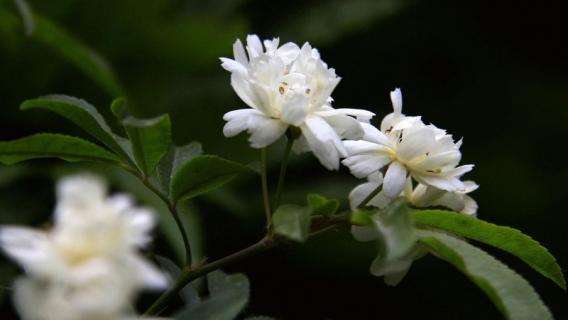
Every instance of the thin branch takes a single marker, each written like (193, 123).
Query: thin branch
(283, 166)
(264, 180)
(370, 197)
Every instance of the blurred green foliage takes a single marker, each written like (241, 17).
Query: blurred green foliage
(494, 73)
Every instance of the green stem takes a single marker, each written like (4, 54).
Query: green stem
(172, 206)
(264, 180)
(370, 197)
(283, 167)
(189, 275)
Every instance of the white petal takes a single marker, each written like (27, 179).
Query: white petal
(437, 161)
(288, 52)
(244, 90)
(266, 131)
(323, 141)
(263, 130)
(470, 206)
(364, 147)
(345, 126)
(461, 170)
(373, 134)
(394, 181)
(233, 66)
(239, 120)
(415, 144)
(301, 145)
(381, 268)
(254, 46)
(470, 186)
(360, 114)
(30, 248)
(239, 53)
(363, 165)
(396, 98)
(295, 109)
(360, 192)
(448, 183)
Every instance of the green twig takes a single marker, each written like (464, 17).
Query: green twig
(264, 181)
(283, 166)
(189, 275)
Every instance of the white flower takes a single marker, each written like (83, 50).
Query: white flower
(406, 146)
(289, 86)
(87, 266)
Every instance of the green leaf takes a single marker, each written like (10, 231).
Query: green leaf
(188, 294)
(174, 159)
(396, 229)
(362, 217)
(292, 221)
(27, 16)
(504, 238)
(511, 293)
(202, 174)
(83, 115)
(229, 294)
(48, 145)
(78, 54)
(321, 205)
(150, 140)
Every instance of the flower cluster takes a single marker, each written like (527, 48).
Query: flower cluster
(87, 266)
(289, 86)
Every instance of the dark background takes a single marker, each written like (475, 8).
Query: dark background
(494, 72)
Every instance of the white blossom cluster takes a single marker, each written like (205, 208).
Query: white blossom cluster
(87, 266)
(290, 86)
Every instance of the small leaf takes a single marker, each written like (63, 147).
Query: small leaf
(202, 174)
(83, 115)
(77, 53)
(362, 217)
(504, 238)
(48, 145)
(396, 228)
(229, 294)
(292, 221)
(511, 293)
(174, 159)
(150, 140)
(321, 205)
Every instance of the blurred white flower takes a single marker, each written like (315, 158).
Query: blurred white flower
(406, 146)
(87, 266)
(289, 86)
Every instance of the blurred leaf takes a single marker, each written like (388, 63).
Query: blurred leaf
(188, 293)
(396, 229)
(48, 145)
(362, 217)
(84, 116)
(27, 16)
(260, 318)
(229, 294)
(504, 238)
(333, 23)
(77, 53)
(292, 221)
(150, 140)
(321, 205)
(202, 174)
(511, 293)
